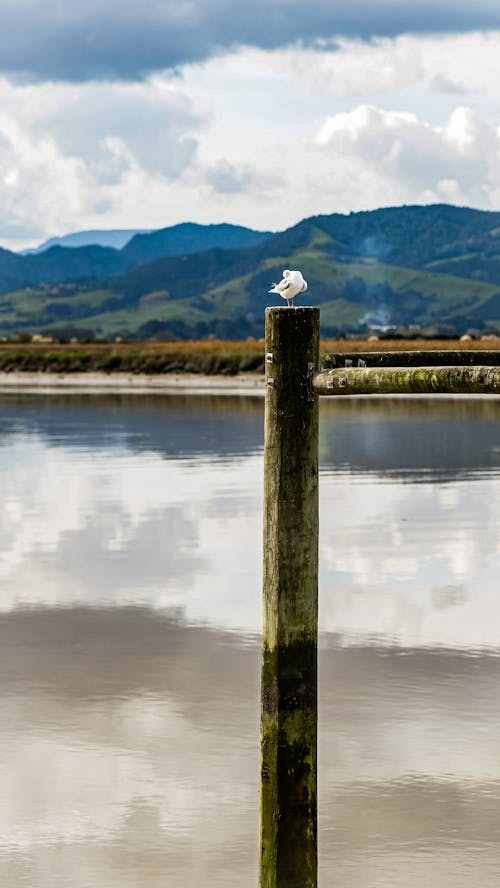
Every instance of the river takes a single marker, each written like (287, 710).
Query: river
(130, 612)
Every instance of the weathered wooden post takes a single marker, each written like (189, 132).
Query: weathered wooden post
(288, 857)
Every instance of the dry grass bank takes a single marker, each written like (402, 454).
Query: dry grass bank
(207, 357)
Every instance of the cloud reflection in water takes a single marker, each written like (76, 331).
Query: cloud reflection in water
(109, 516)
(130, 543)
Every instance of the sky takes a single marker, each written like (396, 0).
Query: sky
(142, 115)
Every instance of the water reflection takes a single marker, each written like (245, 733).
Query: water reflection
(409, 438)
(130, 750)
(129, 619)
(103, 502)
(119, 748)
(172, 426)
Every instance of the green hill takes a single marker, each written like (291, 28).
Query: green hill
(59, 263)
(405, 266)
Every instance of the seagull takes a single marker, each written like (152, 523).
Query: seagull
(292, 283)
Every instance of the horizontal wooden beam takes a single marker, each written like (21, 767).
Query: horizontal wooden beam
(408, 380)
(485, 358)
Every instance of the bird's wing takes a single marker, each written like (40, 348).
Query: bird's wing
(282, 286)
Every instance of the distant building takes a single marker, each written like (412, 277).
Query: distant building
(38, 337)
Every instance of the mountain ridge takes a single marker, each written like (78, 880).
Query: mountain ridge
(59, 263)
(418, 266)
(102, 237)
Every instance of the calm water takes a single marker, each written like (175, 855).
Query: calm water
(130, 532)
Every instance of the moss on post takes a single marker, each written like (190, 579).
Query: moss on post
(290, 632)
(408, 380)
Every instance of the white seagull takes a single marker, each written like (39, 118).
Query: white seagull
(292, 283)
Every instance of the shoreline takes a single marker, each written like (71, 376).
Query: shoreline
(94, 382)
(98, 383)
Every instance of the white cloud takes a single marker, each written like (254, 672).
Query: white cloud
(414, 160)
(37, 182)
(346, 68)
(72, 153)
(145, 124)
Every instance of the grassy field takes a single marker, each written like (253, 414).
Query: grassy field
(208, 357)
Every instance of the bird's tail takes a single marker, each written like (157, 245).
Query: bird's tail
(273, 289)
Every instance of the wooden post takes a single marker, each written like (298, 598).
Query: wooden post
(288, 857)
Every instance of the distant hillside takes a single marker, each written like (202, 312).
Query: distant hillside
(78, 263)
(59, 264)
(188, 238)
(428, 267)
(116, 238)
(145, 245)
